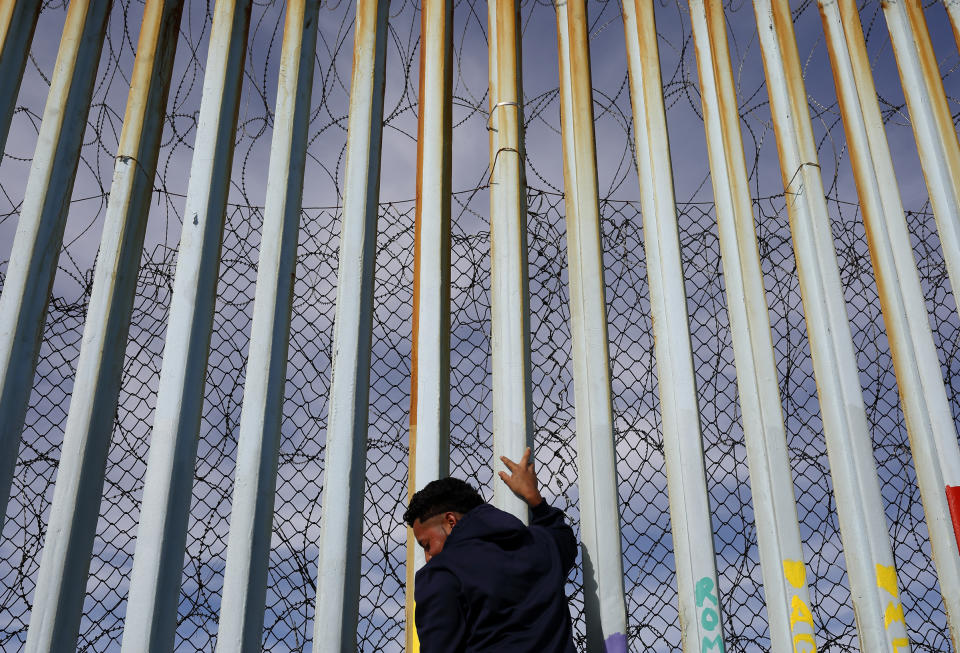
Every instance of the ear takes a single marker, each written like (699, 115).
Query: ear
(451, 518)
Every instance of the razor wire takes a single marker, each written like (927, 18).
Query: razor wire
(645, 520)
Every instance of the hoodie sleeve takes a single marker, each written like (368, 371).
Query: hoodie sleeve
(441, 624)
(553, 521)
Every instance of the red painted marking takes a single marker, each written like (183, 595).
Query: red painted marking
(953, 500)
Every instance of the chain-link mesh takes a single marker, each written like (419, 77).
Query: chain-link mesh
(645, 521)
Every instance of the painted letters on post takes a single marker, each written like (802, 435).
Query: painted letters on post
(709, 617)
(893, 619)
(800, 614)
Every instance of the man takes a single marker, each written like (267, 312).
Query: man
(491, 583)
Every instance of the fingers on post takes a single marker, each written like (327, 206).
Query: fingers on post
(526, 461)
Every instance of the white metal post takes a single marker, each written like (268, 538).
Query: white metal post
(778, 533)
(158, 561)
(933, 436)
(430, 377)
(43, 216)
(18, 21)
(694, 554)
(863, 526)
(62, 580)
(240, 627)
(509, 300)
(953, 9)
(596, 460)
(932, 123)
(341, 526)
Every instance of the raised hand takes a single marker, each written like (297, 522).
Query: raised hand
(522, 479)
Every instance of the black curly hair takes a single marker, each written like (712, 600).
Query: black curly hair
(443, 495)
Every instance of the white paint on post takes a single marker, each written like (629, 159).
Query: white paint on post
(699, 607)
(932, 122)
(168, 483)
(430, 378)
(430, 414)
(953, 10)
(341, 526)
(596, 460)
(509, 294)
(933, 435)
(43, 216)
(251, 517)
(781, 552)
(62, 580)
(863, 526)
(18, 21)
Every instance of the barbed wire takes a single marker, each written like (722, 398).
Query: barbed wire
(645, 520)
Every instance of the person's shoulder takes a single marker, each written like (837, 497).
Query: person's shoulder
(435, 578)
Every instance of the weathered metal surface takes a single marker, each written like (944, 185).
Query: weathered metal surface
(596, 461)
(430, 358)
(778, 533)
(509, 301)
(43, 216)
(863, 529)
(341, 541)
(683, 448)
(932, 123)
(953, 10)
(240, 627)
(161, 535)
(62, 580)
(18, 21)
(933, 436)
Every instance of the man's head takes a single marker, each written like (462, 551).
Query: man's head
(436, 509)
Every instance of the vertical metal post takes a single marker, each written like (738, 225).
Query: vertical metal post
(953, 9)
(596, 461)
(932, 123)
(18, 21)
(62, 580)
(699, 607)
(863, 526)
(778, 533)
(341, 526)
(251, 517)
(43, 216)
(509, 301)
(430, 376)
(933, 436)
(158, 561)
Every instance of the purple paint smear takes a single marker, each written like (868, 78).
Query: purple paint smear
(616, 643)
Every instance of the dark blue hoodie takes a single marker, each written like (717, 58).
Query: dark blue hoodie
(498, 585)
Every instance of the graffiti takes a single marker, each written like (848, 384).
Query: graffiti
(893, 613)
(796, 575)
(709, 616)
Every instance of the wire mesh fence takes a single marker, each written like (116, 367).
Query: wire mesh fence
(645, 520)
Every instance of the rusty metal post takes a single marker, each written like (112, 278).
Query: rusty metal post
(341, 526)
(683, 448)
(430, 364)
(161, 536)
(240, 627)
(509, 301)
(953, 9)
(933, 436)
(863, 527)
(596, 460)
(62, 580)
(932, 123)
(18, 21)
(43, 216)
